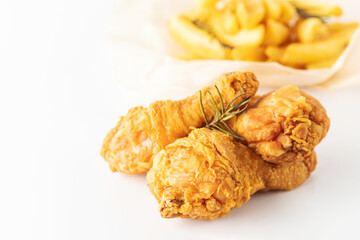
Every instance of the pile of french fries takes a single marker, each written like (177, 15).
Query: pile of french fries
(291, 32)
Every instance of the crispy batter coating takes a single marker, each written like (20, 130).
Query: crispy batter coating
(207, 174)
(143, 132)
(284, 125)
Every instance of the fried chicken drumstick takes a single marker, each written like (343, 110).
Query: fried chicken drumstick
(143, 132)
(284, 125)
(208, 173)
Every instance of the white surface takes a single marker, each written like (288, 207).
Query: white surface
(58, 98)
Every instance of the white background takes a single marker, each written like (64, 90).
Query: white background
(59, 97)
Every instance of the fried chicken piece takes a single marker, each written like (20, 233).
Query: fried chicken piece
(143, 132)
(284, 125)
(208, 173)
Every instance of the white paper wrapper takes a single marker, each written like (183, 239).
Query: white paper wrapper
(143, 49)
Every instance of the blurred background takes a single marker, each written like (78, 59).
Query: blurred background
(59, 95)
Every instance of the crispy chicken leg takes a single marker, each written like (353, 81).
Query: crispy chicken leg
(208, 173)
(143, 132)
(284, 125)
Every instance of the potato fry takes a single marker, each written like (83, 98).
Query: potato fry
(322, 9)
(276, 33)
(311, 29)
(224, 22)
(288, 11)
(274, 53)
(244, 37)
(263, 30)
(245, 53)
(325, 52)
(327, 63)
(195, 39)
(273, 9)
(250, 13)
(231, 6)
(205, 5)
(305, 53)
(202, 10)
(335, 27)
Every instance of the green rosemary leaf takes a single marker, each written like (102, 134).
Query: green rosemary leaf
(223, 114)
(202, 24)
(237, 112)
(216, 127)
(215, 107)
(227, 106)
(232, 131)
(238, 137)
(229, 116)
(304, 14)
(236, 106)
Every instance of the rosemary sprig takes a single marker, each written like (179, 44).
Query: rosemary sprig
(222, 114)
(303, 12)
(309, 9)
(206, 27)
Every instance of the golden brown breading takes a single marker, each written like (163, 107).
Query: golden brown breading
(143, 132)
(207, 174)
(284, 125)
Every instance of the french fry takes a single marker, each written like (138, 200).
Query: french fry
(263, 30)
(273, 9)
(245, 53)
(336, 27)
(224, 22)
(327, 63)
(195, 39)
(244, 37)
(250, 13)
(206, 4)
(288, 11)
(311, 29)
(304, 53)
(325, 52)
(321, 9)
(330, 47)
(274, 53)
(231, 6)
(229, 22)
(276, 33)
(202, 10)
